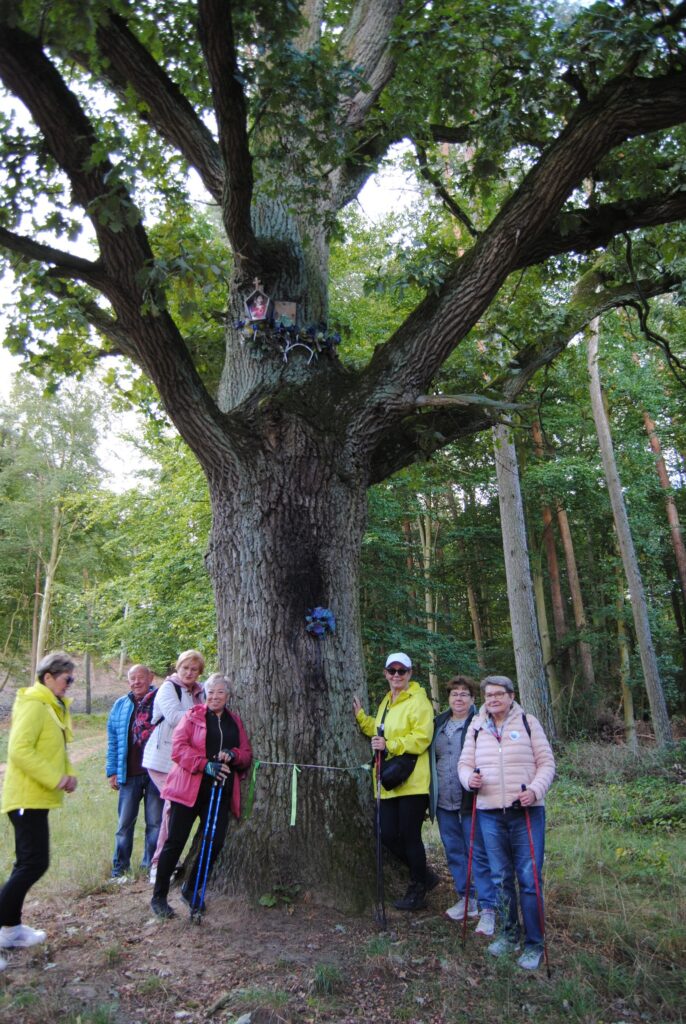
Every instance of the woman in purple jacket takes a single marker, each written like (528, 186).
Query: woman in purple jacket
(210, 745)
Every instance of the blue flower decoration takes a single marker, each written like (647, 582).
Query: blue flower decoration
(320, 621)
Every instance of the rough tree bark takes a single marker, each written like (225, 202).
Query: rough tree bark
(639, 607)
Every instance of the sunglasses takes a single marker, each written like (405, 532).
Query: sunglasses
(397, 671)
(69, 680)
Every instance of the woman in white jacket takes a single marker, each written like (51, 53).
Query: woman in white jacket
(179, 692)
(507, 760)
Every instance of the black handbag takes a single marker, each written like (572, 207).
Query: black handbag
(395, 770)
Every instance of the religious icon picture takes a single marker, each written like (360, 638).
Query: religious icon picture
(258, 304)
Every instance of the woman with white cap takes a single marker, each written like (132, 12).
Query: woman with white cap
(403, 726)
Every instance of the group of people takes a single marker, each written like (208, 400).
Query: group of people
(483, 774)
(180, 752)
(176, 750)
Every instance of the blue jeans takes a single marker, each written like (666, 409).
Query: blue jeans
(455, 830)
(509, 854)
(135, 789)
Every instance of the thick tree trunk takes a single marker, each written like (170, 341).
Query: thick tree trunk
(286, 537)
(531, 677)
(656, 697)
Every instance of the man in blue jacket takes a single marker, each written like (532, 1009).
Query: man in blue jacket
(128, 728)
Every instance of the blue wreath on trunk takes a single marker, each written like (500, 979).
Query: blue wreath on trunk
(320, 621)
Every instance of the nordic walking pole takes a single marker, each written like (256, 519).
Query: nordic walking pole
(202, 848)
(469, 870)
(380, 914)
(213, 829)
(539, 898)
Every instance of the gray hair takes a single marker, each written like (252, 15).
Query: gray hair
(215, 680)
(503, 681)
(54, 663)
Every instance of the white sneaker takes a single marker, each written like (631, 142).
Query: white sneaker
(153, 874)
(118, 879)
(19, 936)
(530, 958)
(456, 912)
(486, 925)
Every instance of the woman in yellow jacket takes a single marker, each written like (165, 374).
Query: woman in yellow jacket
(37, 777)
(405, 719)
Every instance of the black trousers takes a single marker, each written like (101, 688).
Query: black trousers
(401, 832)
(32, 850)
(181, 820)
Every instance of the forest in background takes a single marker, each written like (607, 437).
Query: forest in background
(120, 575)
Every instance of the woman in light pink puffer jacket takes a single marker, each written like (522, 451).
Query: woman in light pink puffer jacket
(507, 760)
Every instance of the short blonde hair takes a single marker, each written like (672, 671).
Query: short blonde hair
(190, 656)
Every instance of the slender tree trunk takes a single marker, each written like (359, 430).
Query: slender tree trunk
(544, 633)
(656, 697)
(427, 538)
(670, 503)
(286, 537)
(48, 587)
(531, 677)
(122, 651)
(556, 598)
(87, 674)
(584, 648)
(630, 736)
(472, 600)
(34, 619)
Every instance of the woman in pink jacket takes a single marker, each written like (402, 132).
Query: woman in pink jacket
(210, 745)
(506, 759)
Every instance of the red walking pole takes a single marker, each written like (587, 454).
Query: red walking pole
(469, 870)
(539, 898)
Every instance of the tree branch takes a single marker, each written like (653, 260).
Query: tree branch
(453, 417)
(401, 369)
(129, 63)
(583, 230)
(365, 43)
(441, 191)
(64, 263)
(217, 40)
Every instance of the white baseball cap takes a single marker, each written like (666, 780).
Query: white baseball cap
(399, 657)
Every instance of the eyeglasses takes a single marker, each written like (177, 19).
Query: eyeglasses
(496, 696)
(397, 671)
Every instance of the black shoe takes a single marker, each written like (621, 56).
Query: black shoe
(187, 899)
(414, 898)
(161, 908)
(432, 879)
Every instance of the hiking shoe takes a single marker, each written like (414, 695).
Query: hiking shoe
(530, 958)
(414, 898)
(432, 879)
(486, 925)
(118, 879)
(502, 945)
(20, 936)
(187, 899)
(456, 912)
(161, 908)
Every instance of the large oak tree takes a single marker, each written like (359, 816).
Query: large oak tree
(283, 110)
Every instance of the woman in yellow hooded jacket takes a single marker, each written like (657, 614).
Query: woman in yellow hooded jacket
(38, 775)
(404, 724)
